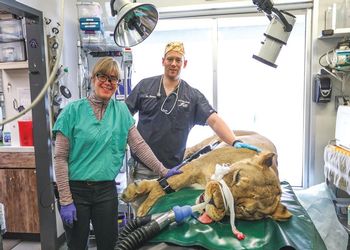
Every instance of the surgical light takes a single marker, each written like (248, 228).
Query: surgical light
(135, 22)
(277, 33)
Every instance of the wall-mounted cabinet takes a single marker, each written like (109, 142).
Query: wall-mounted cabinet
(14, 65)
(337, 33)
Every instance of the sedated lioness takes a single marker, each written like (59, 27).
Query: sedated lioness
(252, 179)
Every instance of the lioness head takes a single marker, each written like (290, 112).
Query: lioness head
(255, 188)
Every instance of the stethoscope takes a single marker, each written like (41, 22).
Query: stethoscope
(164, 110)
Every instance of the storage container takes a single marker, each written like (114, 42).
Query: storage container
(91, 38)
(11, 30)
(6, 138)
(89, 9)
(12, 51)
(25, 133)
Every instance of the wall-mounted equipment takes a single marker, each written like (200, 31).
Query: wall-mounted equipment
(91, 25)
(342, 59)
(125, 88)
(322, 89)
(277, 33)
(338, 58)
(135, 22)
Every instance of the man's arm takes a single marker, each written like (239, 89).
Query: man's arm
(226, 134)
(221, 128)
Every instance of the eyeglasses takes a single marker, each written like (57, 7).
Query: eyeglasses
(103, 78)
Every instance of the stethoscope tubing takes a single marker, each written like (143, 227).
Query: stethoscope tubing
(162, 109)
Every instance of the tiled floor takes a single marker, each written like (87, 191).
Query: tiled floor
(10, 244)
(24, 245)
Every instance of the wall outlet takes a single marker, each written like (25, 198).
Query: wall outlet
(341, 100)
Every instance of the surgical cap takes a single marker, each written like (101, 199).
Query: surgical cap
(175, 46)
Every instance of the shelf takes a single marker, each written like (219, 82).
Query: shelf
(14, 65)
(338, 33)
(11, 149)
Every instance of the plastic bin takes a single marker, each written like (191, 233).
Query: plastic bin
(89, 9)
(11, 30)
(12, 51)
(25, 133)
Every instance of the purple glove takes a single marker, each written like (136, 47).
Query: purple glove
(68, 214)
(240, 144)
(173, 171)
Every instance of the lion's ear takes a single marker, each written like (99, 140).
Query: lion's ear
(281, 213)
(266, 159)
(139, 187)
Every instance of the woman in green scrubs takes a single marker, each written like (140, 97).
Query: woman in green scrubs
(91, 138)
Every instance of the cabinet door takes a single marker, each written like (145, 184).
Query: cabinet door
(19, 196)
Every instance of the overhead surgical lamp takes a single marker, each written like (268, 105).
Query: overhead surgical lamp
(277, 33)
(135, 22)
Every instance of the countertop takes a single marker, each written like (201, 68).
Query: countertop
(10, 149)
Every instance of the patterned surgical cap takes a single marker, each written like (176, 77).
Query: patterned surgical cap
(175, 46)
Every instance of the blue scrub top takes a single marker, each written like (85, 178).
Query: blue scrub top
(164, 131)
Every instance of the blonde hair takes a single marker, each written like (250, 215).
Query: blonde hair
(105, 66)
(175, 46)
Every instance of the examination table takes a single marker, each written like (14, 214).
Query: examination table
(298, 232)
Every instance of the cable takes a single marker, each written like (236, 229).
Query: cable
(51, 79)
(327, 59)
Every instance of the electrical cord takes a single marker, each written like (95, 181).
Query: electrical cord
(326, 55)
(331, 62)
(52, 75)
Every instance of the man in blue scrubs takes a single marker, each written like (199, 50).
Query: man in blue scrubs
(168, 109)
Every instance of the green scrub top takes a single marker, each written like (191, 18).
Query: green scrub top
(97, 148)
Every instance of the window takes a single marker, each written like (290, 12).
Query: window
(254, 96)
(250, 95)
(198, 40)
